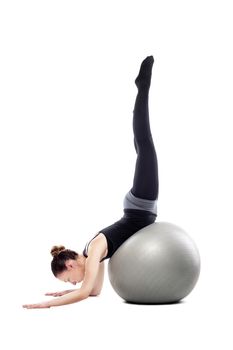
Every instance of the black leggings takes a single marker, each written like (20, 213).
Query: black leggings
(145, 183)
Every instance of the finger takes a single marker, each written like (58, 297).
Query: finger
(29, 306)
(35, 306)
(57, 294)
(50, 293)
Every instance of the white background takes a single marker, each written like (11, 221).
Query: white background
(67, 159)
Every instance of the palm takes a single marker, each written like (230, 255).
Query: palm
(36, 306)
(59, 294)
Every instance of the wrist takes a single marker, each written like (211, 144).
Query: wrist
(49, 303)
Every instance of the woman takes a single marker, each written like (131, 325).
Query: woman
(140, 210)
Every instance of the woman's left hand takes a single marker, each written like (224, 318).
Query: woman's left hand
(37, 306)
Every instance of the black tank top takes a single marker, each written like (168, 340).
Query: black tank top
(117, 233)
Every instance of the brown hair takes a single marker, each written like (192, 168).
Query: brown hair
(60, 256)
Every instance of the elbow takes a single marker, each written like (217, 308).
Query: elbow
(85, 295)
(88, 293)
(94, 294)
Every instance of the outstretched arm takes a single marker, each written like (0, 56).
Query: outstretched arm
(89, 285)
(91, 274)
(69, 298)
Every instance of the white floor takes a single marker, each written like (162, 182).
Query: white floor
(201, 320)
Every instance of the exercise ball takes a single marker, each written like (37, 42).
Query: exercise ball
(158, 264)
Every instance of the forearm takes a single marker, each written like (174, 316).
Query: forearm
(72, 297)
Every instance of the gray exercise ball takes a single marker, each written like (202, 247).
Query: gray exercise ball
(158, 264)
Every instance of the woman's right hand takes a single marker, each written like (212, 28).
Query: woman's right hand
(59, 294)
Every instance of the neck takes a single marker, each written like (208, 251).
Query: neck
(81, 262)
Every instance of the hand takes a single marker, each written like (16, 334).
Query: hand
(59, 294)
(37, 306)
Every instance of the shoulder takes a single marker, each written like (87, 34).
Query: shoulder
(99, 241)
(98, 245)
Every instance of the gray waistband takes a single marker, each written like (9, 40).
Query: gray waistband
(132, 202)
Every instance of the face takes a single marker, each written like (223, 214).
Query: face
(74, 272)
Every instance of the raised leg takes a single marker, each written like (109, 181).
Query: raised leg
(145, 183)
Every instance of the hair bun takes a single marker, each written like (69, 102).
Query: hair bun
(56, 249)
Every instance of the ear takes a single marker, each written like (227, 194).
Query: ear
(70, 264)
